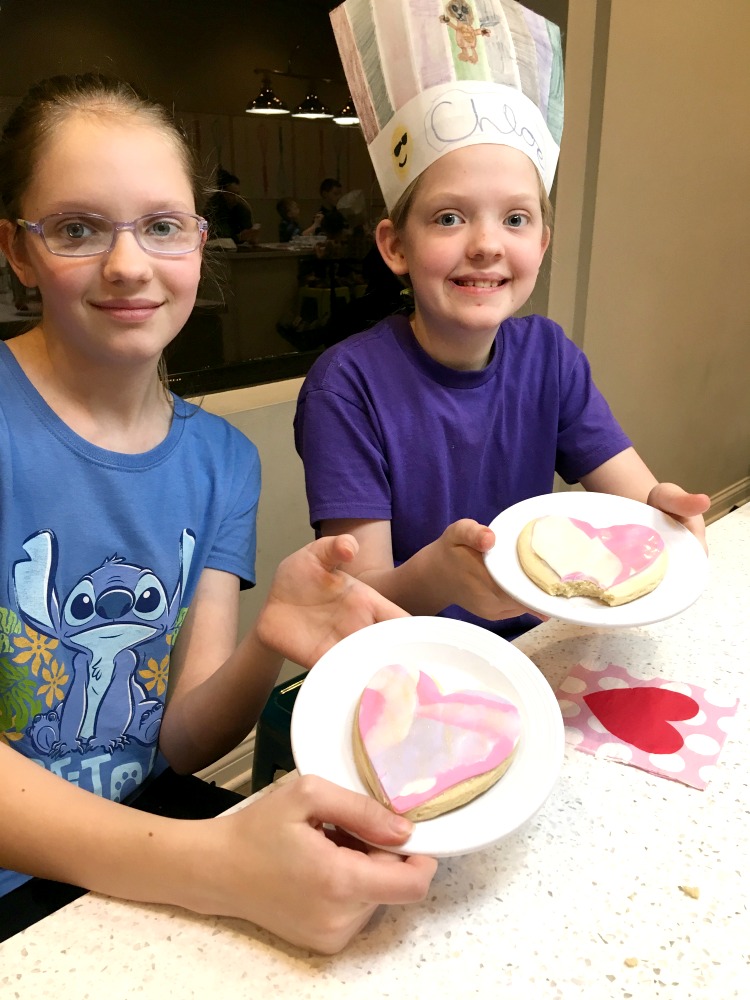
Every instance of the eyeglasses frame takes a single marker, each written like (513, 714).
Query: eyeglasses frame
(117, 227)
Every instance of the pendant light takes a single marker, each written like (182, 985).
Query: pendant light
(347, 115)
(312, 107)
(267, 103)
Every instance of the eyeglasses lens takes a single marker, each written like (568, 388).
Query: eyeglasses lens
(70, 235)
(86, 235)
(173, 233)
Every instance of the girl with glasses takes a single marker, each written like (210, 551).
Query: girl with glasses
(127, 529)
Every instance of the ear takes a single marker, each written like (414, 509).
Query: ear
(34, 583)
(391, 247)
(12, 246)
(546, 237)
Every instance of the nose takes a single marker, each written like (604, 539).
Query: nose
(486, 241)
(114, 603)
(127, 260)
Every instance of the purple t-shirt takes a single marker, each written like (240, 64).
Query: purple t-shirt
(387, 433)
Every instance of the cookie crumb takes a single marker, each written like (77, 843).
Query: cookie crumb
(631, 962)
(690, 890)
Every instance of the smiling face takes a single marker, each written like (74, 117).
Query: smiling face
(400, 149)
(472, 244)
(124, 306)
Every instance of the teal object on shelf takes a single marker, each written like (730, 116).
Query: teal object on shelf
(273, 745)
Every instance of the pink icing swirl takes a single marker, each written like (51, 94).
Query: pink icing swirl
(422, 742)
(635, 545)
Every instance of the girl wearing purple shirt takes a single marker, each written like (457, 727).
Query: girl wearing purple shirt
(415, 434)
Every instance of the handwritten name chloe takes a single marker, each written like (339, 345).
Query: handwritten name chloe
(455, 119)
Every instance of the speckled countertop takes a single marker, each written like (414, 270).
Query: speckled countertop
(584, 902)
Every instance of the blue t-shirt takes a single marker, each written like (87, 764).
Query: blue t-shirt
(387, 433)
(100, 554)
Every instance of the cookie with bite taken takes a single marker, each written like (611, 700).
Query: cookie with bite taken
(615, 564)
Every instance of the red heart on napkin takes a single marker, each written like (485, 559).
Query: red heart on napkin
(639, 716)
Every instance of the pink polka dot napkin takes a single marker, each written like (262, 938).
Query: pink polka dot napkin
(667, 727)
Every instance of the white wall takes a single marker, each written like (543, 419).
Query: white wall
(651, 253)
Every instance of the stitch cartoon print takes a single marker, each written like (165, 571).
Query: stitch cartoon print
(109, 613)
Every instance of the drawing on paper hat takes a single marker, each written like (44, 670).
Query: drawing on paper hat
(429, 76)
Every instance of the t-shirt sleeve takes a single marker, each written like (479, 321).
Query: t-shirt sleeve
(234, 547)
(588, 433)
(337, 435)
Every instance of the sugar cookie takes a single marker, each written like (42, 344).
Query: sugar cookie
(569, 558)
(421, 752)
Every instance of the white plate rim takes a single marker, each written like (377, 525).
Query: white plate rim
(683, 583)
(486, 661)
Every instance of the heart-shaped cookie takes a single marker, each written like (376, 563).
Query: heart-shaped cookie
(568, 557)
(641, 716)
(422, 752)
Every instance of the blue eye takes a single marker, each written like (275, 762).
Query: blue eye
(77, 230)
(73, 228)
(516, 220)
(162, 227)
(448, 220)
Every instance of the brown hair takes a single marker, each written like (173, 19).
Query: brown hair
(48, 104)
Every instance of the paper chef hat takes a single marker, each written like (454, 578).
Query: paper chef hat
(429, 76)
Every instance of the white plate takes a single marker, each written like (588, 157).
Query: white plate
(459, 656)
(683, 583)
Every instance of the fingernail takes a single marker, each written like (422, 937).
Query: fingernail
(401, 825)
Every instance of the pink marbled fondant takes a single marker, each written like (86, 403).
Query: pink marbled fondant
(635, 548)
(421, 742)
(635, 545)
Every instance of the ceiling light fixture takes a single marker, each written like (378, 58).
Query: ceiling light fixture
(267, 103)
(347, 115)
(312, 107)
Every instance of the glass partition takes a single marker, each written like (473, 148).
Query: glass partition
(289, 269)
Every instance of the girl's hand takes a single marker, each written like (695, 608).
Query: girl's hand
(312, 604)
(627, 475)
(449, 570)
(458, 561)
(277, 866)
(687, 508)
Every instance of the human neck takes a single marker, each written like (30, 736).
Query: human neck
(120, 409)
(470, 354)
